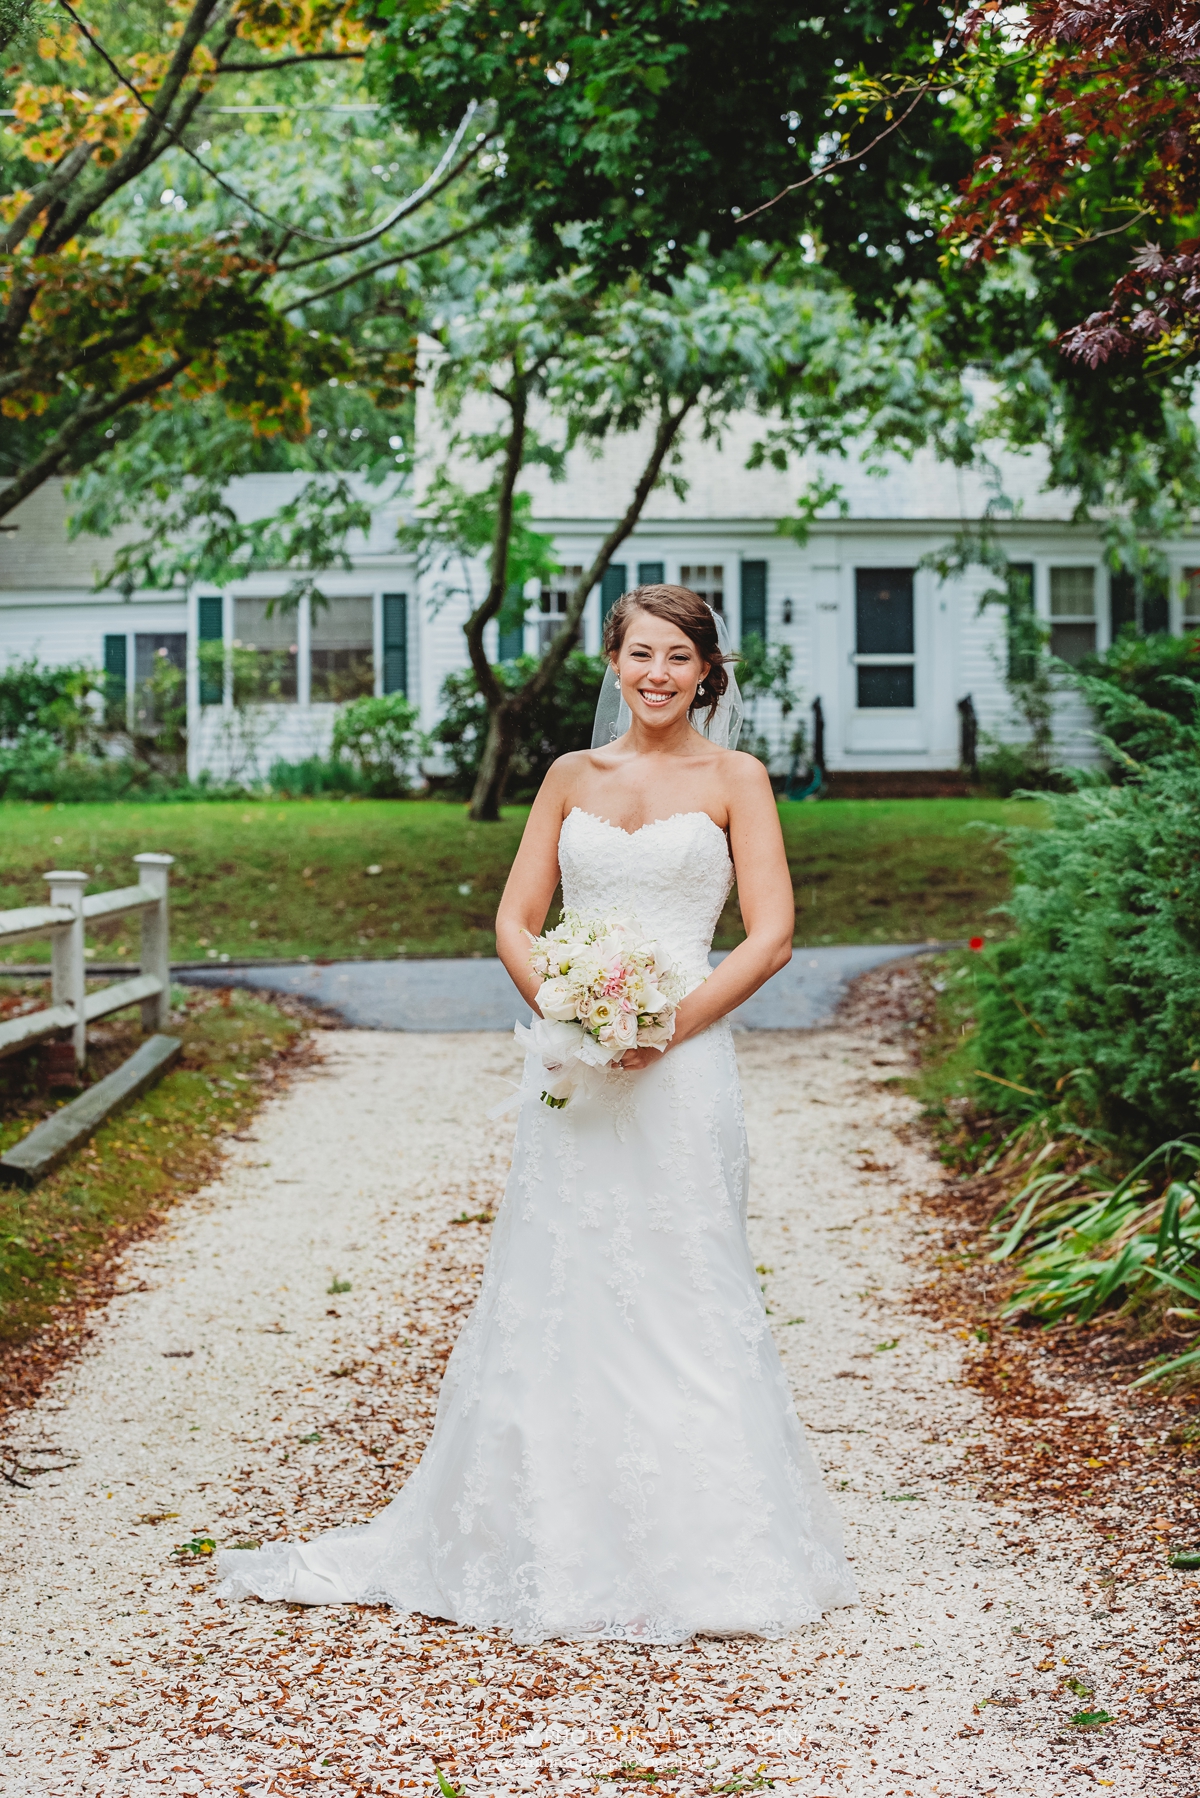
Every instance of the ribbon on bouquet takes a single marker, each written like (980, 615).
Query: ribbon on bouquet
(566, 1060)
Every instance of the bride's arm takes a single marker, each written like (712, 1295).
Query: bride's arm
(768, 908)
(532, 879)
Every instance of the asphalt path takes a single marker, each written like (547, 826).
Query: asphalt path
(477, 994)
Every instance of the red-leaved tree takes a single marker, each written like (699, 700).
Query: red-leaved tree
(1103, 139)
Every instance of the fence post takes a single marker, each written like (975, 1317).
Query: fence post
(154, 872)
(67, 964)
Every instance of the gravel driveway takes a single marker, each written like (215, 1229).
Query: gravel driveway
(271, 1367)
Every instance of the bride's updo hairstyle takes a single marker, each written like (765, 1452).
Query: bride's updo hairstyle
(688, 613)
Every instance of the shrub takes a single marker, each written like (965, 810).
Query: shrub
(379, 740)
(50, 701)
(1008, 768)
(35, 768)
(315, 778)
(560, 721)
(1146, 695)
(1163, 672)
(1095, 1001)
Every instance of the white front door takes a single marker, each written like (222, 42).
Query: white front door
(883, 697)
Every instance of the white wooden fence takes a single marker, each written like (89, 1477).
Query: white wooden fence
(71, 1006)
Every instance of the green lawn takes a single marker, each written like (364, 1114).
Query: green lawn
(292, 879)
(897, 870)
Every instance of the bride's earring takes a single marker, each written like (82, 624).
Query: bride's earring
(700, 690)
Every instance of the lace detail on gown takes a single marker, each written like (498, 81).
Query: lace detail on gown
(616, 1452)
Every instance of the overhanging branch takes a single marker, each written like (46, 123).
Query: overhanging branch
(441, 177)
(290, 62)
(93, 412)
(842, 162)
(371, 268)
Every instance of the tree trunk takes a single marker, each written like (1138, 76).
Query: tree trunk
(502, 738)
(505, 713)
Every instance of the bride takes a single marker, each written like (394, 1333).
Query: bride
(616, 1453)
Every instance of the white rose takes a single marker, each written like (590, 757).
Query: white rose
(656, 1036)
(556, 1000)
(601, 1013)
(625, 1029)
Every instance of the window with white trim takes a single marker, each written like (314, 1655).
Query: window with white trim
(1072, 613)
(708, 580)
(555, 598)
(342, 653)
(1191, 599)
(270, 637)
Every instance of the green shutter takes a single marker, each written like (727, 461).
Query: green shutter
(512, 624)
(116, 676)
(754, 600)
(650, 574)
(1024, 637)
(612, 585)
(395, 643)
(210, 628)
(1148, 610)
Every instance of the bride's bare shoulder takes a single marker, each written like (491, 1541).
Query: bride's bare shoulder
(566, 773)
(742, 770)
(578, 762)
(745, 783)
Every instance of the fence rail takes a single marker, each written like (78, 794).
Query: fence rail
(71, 1006)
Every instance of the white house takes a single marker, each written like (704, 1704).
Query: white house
(888, 647)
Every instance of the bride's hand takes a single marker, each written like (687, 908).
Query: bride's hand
(638, 1058)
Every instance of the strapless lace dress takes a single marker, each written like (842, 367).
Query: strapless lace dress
(616, 1452)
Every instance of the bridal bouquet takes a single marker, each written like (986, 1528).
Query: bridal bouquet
(605, 988)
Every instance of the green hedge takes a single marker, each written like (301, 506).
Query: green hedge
(1094, 1003)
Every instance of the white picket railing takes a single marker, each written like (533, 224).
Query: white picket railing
(71, 1006)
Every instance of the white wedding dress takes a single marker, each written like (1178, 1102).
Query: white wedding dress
(616, 1452)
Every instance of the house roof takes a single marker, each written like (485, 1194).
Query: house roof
(39, 556)
(721, 487)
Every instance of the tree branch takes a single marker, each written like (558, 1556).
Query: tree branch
(143, 147)
(843, 161)
(16, 313)
(668, 429)
(483, 614)
(373, 268)
(434, 186)
(42, 196)
(93, 351)
(290, 62)
(92, 412)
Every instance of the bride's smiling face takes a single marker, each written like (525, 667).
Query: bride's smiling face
(659, 668)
